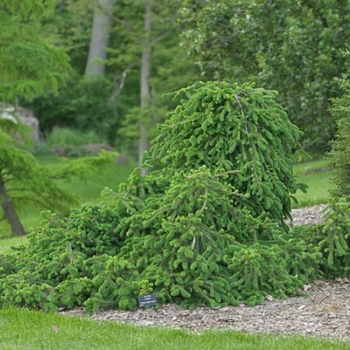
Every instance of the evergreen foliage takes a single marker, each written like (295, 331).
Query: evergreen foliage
(334, 238)
(237, 130)
(334, 234)
(339, 156)
(204, 227)
(29, 65)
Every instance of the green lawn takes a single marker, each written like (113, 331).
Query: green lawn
(6, 244)
(319, 183)
(318, 179)
(22, 329)
(305, 168)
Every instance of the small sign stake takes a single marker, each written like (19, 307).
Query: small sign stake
(147, 300)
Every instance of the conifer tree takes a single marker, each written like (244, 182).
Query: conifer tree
(238, 130)
(339, 156)
(334, 234)
(29, 66)
(204, 227)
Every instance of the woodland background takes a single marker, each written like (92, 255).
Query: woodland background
(123, 55)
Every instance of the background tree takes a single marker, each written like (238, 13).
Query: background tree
(112, 107)
(96, 62)
(23, 181)
(29, 66)
(145, 97)
(289, 46)
(158, 23)
(83, 103)
(339, 156)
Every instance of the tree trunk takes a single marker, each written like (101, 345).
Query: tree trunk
(9, 211)
(144, 82)
(95, 66)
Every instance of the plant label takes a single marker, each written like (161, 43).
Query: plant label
(147, 300)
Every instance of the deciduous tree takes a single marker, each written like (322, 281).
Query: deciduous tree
(289, 46)
(101, 27)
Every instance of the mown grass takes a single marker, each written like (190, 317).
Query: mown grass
(22, 329)
(305, 168)
(318, 184)
(110, 176)
(6, 244)
(89, 190)
(318, 179)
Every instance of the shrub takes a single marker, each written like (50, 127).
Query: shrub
(68, 142)
(334, 234)
(205, 227)
(339, 156)
(71, 137)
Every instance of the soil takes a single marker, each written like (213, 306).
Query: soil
(325, 312)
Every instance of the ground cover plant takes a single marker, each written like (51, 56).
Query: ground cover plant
(24, 329)
(205, 227)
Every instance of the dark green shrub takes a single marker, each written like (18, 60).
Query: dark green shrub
(334, 233)
(63, 254)
(204, 227)
(333, 238)
(239, 131)
(339, 156)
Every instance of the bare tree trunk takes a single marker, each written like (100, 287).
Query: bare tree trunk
(144, 82)
(9, 211)
(95, 66)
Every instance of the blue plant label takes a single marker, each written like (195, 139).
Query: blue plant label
(147, 300)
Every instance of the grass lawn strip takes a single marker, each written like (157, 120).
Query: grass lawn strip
(22, 329)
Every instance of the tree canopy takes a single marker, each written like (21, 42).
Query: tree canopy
(289, 46)
(292, 47)
(29, 64)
